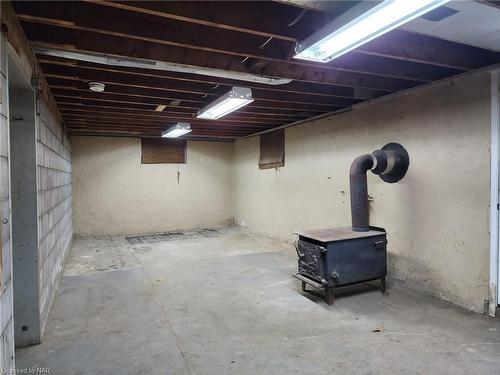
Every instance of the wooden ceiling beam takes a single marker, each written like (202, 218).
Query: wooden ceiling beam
(166, 98)
(162, 127)
(232, 15)
(136, 134)
(179, 34)
(152, 113)
(237, 121)
(161, 115)
(193, 120)
(85, 105)
(397, 44)
(215, 125)
(209, 35)
(171, 121)
(152, 133)
(193, 86)
(407, 46)
(165, 118)
(183, 36)
(55, 37)
(75, 102)
(169, 94)
(145, 103)
(230, 118)
(117, 46)
(208, 39)
(120, 134)
(159, 130)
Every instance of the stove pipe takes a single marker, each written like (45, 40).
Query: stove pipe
(391, 163)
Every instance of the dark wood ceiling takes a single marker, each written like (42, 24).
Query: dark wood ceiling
(252, 37)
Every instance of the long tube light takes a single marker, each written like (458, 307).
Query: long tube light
(227, 103)
(333, 41)
(177, 130)
(114, 60)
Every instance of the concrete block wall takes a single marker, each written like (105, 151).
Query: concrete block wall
(6, 303)
(55, 200)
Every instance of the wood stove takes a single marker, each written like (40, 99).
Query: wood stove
(337, 257)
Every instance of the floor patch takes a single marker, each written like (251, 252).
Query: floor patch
(173, 236)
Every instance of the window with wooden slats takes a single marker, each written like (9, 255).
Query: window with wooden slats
(272, 150)
(163, 151)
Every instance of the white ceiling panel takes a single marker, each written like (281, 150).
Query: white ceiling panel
(475, 24)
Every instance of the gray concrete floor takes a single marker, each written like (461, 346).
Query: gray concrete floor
(228, 305)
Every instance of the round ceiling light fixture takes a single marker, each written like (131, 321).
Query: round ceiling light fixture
(96, 86)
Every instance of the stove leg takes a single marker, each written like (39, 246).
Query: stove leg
(303, 286)
(329, 295)
(382, 285)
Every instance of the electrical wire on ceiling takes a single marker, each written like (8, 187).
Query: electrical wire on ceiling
(297, 19)
(266, 42)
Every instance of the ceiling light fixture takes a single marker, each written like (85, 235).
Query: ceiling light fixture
(227, 103)
(96, 86)
(338, 38)
(177, 130)
(160, 107)
(114, 60)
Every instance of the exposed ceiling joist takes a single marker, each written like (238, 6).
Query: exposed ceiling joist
(367, 61)
(152, 78)
(94, 18)
(170, 94)
(249, 38)
(277, 23)
(276, 114)
(108, 44)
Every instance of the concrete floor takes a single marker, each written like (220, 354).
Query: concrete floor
(228, 305)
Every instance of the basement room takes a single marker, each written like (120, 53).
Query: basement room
(250, 187)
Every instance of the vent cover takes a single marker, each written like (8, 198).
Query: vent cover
(439, 14)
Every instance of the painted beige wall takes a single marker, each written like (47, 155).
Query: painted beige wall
(115, 194)
(437, 217)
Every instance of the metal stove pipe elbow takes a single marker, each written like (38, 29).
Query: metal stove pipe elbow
(391, 163)
(359, 192)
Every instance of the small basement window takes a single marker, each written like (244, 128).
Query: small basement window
(163, 151)
(272, 150)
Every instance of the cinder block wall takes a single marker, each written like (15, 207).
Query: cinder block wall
(6, 304)
(55, 200)
(54, 186)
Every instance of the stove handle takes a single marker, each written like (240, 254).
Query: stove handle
(296, 245)
(377, 245)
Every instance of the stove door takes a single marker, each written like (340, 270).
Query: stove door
(311, 260)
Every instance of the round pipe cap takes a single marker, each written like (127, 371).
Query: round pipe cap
(401, 163)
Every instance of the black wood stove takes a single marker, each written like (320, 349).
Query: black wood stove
(337, 257)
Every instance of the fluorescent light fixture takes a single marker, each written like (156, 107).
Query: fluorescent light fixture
(115, 60)
(227, 103)
(177, 130)
(160, 107)
(333, 41)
